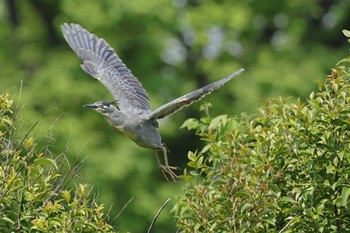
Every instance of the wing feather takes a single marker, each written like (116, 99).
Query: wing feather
(101, 62)
(188, 99)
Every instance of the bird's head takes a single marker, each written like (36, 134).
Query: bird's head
(103, 107)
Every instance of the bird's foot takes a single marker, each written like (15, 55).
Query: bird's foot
(169, 170)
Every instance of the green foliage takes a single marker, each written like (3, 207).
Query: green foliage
(173, 47)
(5, 114)
(33, 194)
(285, 169)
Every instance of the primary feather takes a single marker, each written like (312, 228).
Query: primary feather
(188, 99)
(101, 62)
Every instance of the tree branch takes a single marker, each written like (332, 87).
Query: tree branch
(155, 217)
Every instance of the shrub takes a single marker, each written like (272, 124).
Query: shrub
(33, 193)
(284, 170)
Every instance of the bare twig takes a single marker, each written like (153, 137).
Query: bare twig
(107, 215)
(123, 209)
(288, 224)
(155, 217)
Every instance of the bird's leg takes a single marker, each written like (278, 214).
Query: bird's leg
(160, 165)
(166, 168)
(165, 154)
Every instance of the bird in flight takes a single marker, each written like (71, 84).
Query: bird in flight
(130, 111)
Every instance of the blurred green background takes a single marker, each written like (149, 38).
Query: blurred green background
(173, 47)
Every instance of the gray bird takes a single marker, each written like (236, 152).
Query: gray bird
(130, 112)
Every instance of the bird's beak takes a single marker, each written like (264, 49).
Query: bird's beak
(90, 105)
(113, 102)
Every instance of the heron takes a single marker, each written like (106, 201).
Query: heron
(130, 111)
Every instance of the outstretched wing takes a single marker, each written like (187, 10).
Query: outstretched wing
(101, 62)
(190, 98)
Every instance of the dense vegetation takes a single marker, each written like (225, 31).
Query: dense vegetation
(284, 45)
(33, 192)
(284, 170)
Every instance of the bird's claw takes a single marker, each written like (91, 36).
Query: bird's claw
(169, 170)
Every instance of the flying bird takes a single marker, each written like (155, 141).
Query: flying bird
(130, 111)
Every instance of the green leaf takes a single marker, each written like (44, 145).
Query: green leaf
(287, 200)
(247, 206)
(241, 193)
(205, 148)
(338, 183)
(6, 219)
(269, 220)
(45, 161)
(345, 60)
(217, 122)
(346, 33)
(66, 195)
(294, 209)
(192, 156)
(190, 124)
(345, 195)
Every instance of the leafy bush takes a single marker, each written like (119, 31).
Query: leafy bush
(284, 170)
(33, 194)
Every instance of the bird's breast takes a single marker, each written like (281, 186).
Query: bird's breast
(144, 134)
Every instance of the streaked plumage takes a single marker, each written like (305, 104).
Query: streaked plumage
(102, 63)
(134, 116)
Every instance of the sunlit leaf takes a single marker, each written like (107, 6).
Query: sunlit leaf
(45, 161)
(345, 195)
